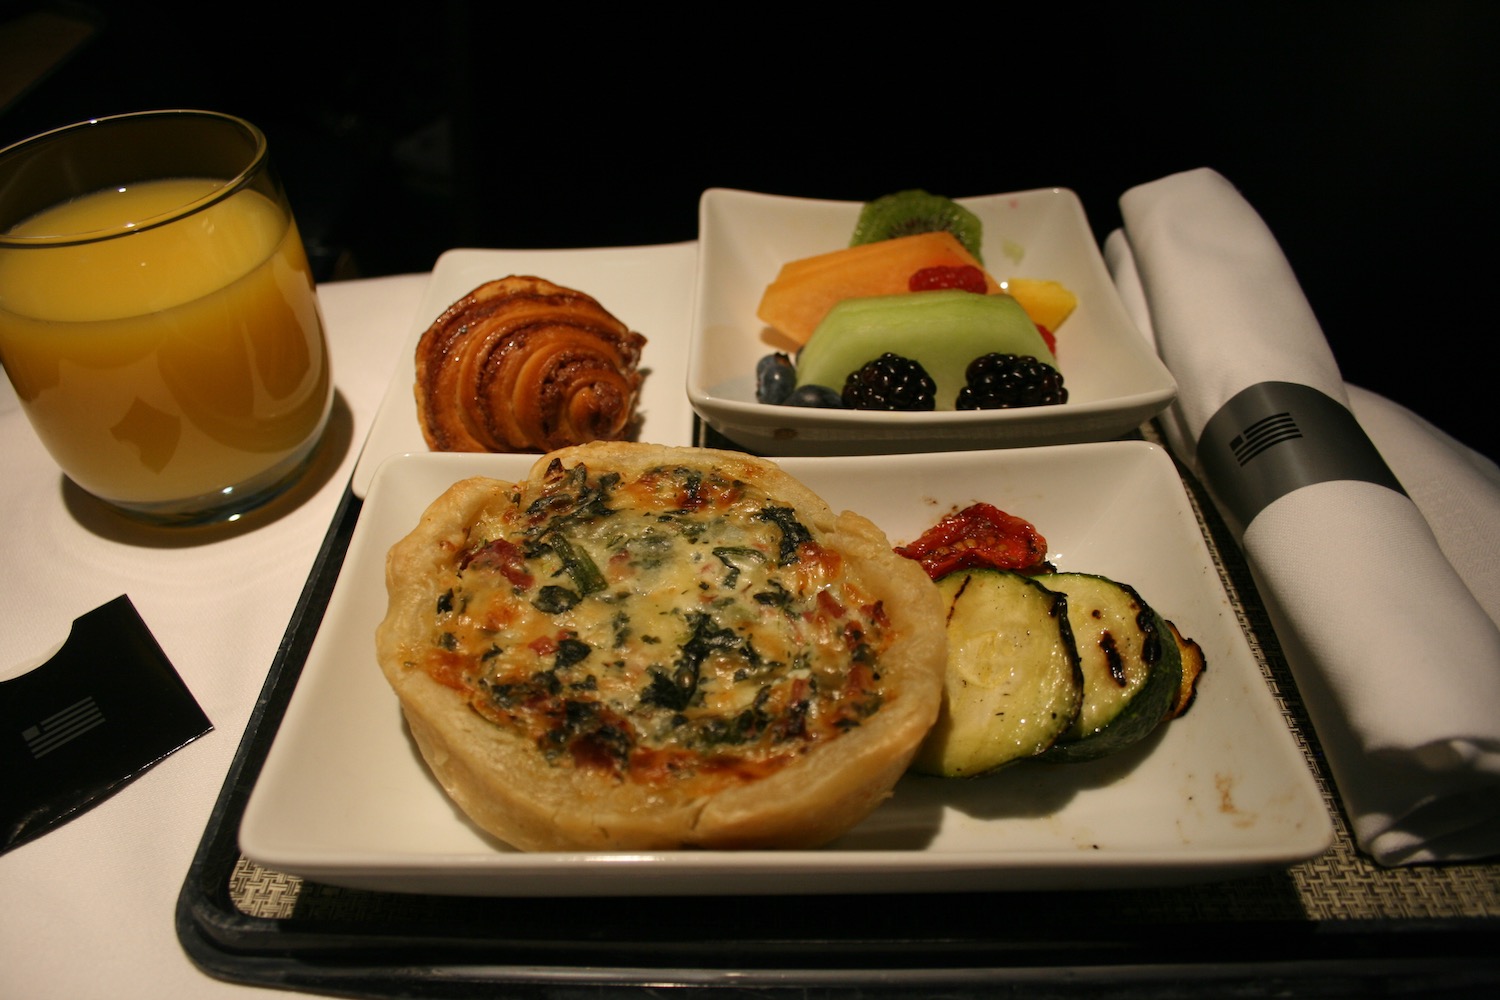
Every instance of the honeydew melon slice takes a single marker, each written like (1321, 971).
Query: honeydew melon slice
(941, 330)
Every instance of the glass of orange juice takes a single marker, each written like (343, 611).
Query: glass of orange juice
(157, 313)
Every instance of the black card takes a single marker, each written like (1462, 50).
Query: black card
(81, 726)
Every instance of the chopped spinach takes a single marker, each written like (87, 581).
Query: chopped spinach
(554, 599)
(571, 651)
(793, 533)
(677, 690)
(576, 563)
(736, 558)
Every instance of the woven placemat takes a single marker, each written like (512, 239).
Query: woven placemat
(1342, 885)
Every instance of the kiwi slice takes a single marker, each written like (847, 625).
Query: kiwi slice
(909, 212)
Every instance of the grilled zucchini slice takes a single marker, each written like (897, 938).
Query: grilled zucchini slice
(1013, 685)
(1193, 665)
(1132, 667)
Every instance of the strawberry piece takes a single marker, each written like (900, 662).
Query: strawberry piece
(964, 277)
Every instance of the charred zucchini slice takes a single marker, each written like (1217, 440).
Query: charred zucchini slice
(1013, 685)
(1132, 668)
(1193, 665)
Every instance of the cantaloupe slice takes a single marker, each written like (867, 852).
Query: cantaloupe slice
(1048, 303)
(804, 290)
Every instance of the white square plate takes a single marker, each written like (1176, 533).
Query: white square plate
(345, 798)
(1115, 380)
(648, 288)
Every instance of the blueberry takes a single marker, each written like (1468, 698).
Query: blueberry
(774, 378)
(815, 395)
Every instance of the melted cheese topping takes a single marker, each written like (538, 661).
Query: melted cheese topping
(680, 623)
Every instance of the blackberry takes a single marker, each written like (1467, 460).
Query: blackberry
(1003, 381)
(890, 382)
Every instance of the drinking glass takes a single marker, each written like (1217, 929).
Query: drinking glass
(157, 313)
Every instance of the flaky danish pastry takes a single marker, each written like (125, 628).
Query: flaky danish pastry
(521, 364)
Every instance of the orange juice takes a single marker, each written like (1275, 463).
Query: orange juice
(173, 361)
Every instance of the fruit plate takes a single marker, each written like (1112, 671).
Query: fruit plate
(344, 797)
(1115, 380)
(650, 288)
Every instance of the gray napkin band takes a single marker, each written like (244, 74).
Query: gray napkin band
(1276, 437)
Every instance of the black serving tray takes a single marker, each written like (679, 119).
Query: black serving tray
(1334, 927)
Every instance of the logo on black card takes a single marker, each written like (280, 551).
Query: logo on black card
(64, 727)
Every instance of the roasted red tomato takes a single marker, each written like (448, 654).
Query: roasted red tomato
(979, 536)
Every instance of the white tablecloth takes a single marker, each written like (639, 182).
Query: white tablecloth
(87, 910)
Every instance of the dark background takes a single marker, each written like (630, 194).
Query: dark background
(1362, 132)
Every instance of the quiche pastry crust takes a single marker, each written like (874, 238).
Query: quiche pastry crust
(642, 647)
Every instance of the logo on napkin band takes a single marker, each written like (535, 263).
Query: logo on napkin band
(1276, 437)
(1262, 434)
(63, 727)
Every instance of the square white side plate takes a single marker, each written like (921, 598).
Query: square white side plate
(1115, 380)
(345, 798)
(649, 288)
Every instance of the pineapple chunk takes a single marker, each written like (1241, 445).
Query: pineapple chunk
(1048, 303)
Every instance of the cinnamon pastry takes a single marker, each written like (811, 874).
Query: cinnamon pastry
(521, 364)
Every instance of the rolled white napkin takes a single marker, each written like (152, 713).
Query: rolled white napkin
(1396, 653)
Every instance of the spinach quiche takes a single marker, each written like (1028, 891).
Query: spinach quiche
(643, 647)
